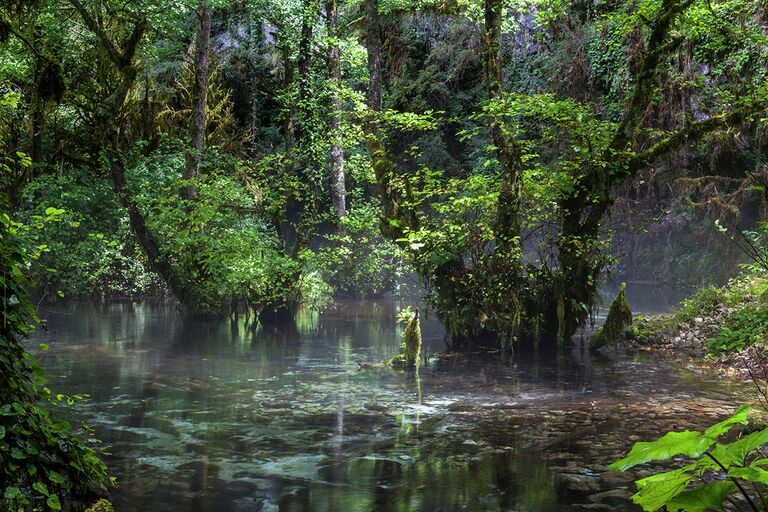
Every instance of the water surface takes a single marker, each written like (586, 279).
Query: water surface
(218, 416)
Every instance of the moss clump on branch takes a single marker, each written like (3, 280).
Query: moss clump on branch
(618, 319)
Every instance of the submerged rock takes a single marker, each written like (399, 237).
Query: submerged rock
(578, 482)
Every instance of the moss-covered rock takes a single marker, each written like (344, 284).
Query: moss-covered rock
(616, 323)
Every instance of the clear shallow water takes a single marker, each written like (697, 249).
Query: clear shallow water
(214, 416)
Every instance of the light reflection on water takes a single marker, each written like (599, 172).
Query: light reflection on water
(215, 416)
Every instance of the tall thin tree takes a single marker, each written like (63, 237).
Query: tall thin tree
(199, 101)
(338, 185)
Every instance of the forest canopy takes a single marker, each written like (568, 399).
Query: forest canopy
(270, 154)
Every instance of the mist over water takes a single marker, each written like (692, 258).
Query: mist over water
(219, 416)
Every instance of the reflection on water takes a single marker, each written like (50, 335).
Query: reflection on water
(221, 417)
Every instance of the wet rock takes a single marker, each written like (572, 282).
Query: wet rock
(614, 479)
(578, 482)
(614, 498)
(461, 407)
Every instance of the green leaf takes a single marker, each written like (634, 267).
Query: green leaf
(2, 432)
(740, 417)
(688, 442)
(750, 474)
(41, 488)
(736, 452)
(703, 498)
(55, 477)
(657, 490)
(53, 502)
(12, 493)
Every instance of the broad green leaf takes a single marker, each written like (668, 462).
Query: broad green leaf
(750, 474)
(688, 442)
(734, 453)
(2, 432)
(657, 490)
(12, 493)
(703, 498)
(53, 502)
(740, 417)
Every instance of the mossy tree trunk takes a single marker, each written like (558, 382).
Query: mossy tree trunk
(338, 186)
(122, 57)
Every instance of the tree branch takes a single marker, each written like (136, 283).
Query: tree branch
(104, 41)
(648, 76)
(694, 131)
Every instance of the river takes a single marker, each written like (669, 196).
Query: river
(221, 417)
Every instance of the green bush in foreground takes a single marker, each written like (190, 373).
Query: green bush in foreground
(43, 465)
(717, 471)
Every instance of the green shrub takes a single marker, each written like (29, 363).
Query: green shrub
(43, 463)
(745, 327)
(717, 471)
(361, 262)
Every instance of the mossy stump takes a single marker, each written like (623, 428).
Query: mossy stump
(618, 319)
(412, 340)
(411, 345)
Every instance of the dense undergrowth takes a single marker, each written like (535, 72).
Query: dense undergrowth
(45, 464)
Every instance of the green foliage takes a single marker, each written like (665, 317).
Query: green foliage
(221, 251)
(740, 462)
(101, 506)
(745, 327)
(44, 464)
(90, 245)
(361, 261)
(256, 233)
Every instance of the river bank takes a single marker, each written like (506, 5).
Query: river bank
(723, 328)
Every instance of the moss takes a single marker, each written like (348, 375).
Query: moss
(101, 506)
(412, 341)
(618, 319)
(411, 345)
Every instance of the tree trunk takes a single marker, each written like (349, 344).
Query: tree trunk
(394, 219)
(199, 101)
(508, 152)
(289, 130)
(590, 200)
(338, 186)
(109, 120)
(304, 129)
